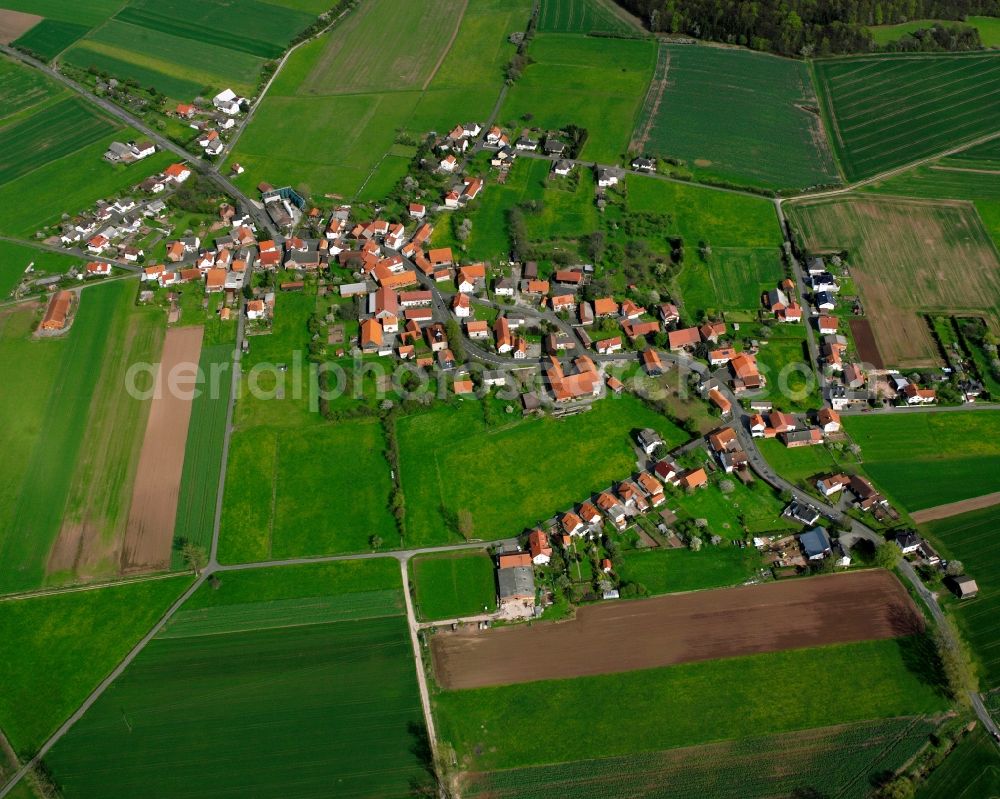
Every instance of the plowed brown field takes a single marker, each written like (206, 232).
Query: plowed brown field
(150, 530)
(703, 625)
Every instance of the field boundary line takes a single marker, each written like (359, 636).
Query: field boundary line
(949, 509)
(74, 589)
(654, 97)
(446, 50)
(258, 627)
(260, 97)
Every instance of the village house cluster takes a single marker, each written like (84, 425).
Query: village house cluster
(212, 125)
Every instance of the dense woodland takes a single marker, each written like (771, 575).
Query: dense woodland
(812, 27)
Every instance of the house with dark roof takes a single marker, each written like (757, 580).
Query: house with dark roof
(815, 543)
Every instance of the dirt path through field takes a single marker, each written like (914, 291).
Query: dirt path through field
(13, 24)
(703, 625)
(955, 508)
(150, 530)
(444, 53)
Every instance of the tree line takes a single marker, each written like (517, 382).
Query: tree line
(805, 27)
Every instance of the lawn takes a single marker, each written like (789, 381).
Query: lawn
(737, 116)
(533, 468)
(745, 510)
(838, 761)
(203, 453)
(971, 771)
(591, 82)
(687, 704)
(784, 361)
(896, 249)
(925, 459)
(262, 693)
(972, 539)
(567, 209)
(38, 486)
(667, 571)
(883, 111)
(58, 648)
(799, 464)
(451, 585)
(15, 258)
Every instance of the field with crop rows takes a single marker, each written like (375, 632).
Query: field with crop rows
(971, 771)
(832, 761)
(48, 135)
(927, 459)
(203, 453)
(972, 539)
(887, 110)
(906, 258)
(584, 16)
(37, 485)
(262, 695)
(21, 89)
(738, 116)
(730, 278)
(182, 46)
(546, 465)
(50, 37)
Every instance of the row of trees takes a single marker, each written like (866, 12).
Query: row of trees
(804, 27)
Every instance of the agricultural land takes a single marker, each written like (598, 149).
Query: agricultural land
(955, 455)
(454, 585)
(319, 665)
(736, 116)
(971, 538)
(906, 256)
(885, 111)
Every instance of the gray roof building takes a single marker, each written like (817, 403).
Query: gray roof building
(517, 582)
(815, 543)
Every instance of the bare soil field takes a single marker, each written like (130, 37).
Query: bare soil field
(150, 530)
(681, 628)
(864, 340)
(955, 508)
(908, 257)
(15, 23)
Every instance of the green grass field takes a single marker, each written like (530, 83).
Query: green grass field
(453, 585)
(261, 693)
(91, 13)
(926, 459)
(15, 258)
(58, 648)
(971, 771)
(756, 508)
(358, 85)
(838, 761)
(594, 83)
(667, 571)
(972, 539)
(988, 27)
(721, 219)
(21, 89)
(566, 212)
(729, 279)
(203, 452)
(583, 16)
(688, 704)
(38, 486)
(536, 468)
(738, 116)
(47, 136)
(885, 111)
(51, 36)
(802, 463)
(784, 361)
